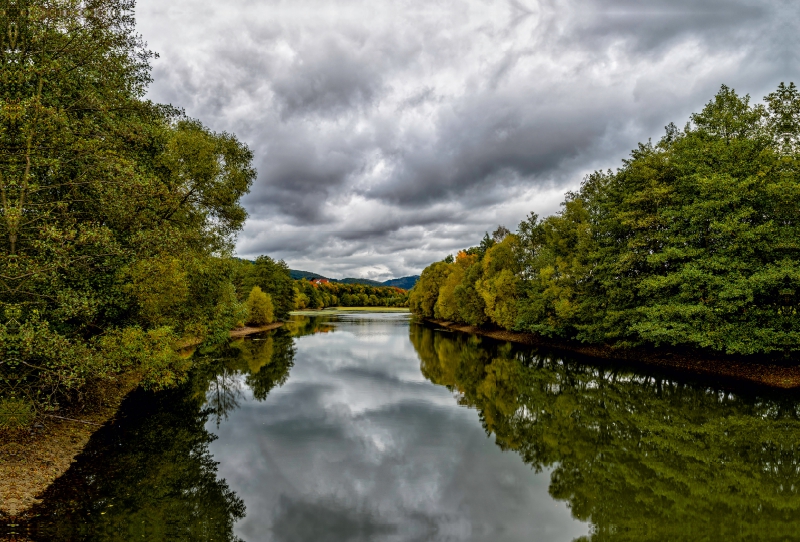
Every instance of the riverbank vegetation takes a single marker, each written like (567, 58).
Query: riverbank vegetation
(694, 243)
(117, 216)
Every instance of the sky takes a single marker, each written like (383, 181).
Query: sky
(389, 134)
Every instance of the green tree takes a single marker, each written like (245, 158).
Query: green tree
(273, 278)
(117, 215)
(425, 293)
(446, 307)
(554, 258)
(471, 306)
(259, 308)
(499, 285)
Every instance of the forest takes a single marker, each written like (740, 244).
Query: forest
(334, 294)
(286, 293)
(118, 215)
(693, 242)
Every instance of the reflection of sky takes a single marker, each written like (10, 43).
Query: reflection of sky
(357, 445)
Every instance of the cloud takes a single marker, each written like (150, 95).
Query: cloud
(387, 135)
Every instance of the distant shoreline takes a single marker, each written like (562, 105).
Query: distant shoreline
(768, 374)
(315, 312)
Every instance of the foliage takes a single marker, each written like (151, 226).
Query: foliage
(693, 242)
(117, 215)
(642, 457)
(499, 283)
(335, 294)
(447, 307)
(259, 308)
(422, 299)
(273, 277)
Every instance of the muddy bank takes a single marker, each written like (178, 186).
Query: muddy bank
(33, 458)
(187, 346)
(249, 330)
(753, 370)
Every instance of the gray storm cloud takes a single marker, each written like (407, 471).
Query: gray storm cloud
(390, 134)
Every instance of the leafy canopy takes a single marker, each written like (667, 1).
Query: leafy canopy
(117, 215)
(693, 242)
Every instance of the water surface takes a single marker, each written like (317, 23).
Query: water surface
(366, 426)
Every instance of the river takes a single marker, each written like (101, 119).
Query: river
(370, 427)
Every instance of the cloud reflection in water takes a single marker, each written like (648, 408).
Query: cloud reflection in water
(357, 445)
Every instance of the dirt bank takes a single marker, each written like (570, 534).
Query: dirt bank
(249, 330)
(32, 459)
(757, 371)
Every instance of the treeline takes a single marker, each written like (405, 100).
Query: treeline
(693, 242)
(265, 281)
(333, 294)
(117, 218)
(278, 290)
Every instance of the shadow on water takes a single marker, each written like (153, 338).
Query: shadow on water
(150, 475)
(640, 456)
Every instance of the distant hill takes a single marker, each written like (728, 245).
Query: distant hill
(297, 275)
(406, 283)
(368, 282)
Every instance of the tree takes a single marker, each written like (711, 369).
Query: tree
(259, 308)
(273, 278)
(425, 293)
(446, 307)
(117, 215)
(694, 242)
(499, 286)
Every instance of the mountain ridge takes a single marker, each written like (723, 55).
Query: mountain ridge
(406, 283)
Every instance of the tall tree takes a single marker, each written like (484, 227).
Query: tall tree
(106, 201)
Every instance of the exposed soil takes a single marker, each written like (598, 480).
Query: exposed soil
(760, 371)
(249, 330)
(32, 459)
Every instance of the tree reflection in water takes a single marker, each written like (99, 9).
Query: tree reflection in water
(642, 457)
(150, 475)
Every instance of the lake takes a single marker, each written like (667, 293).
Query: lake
(371, 427)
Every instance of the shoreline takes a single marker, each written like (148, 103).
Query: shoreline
(250, 330)
(188, 344)
(765, 374)
(33, 458)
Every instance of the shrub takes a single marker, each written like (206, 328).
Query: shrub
(260, 310)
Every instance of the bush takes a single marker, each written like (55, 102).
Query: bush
(260, 310)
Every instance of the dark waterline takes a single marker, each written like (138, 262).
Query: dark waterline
(364, 426)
